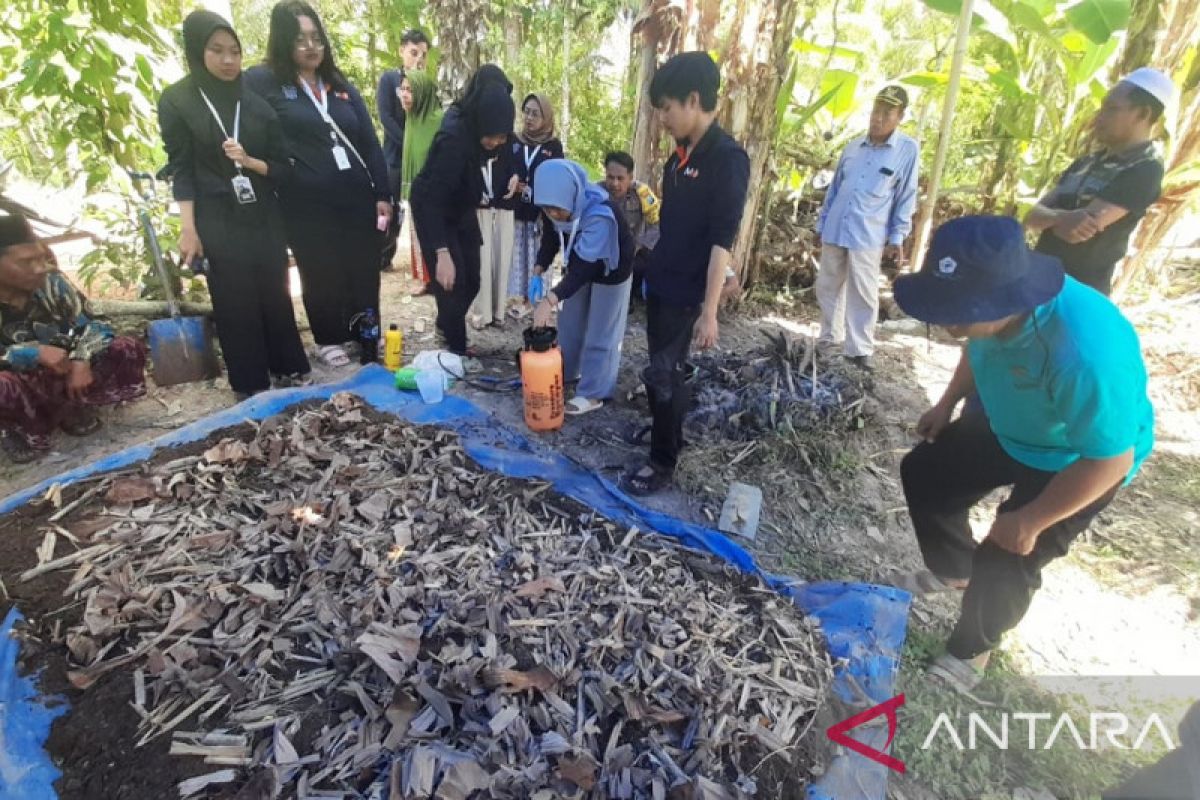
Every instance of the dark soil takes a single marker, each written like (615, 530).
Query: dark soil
(94, 744)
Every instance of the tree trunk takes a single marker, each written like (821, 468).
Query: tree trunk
(461, 26)
(1141, 36)
(565, 104)
(751, 93)
(512, 36)
(656, 30)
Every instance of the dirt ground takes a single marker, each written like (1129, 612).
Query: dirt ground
(1135, 578)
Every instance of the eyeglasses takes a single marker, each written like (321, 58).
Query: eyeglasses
(532, 112)
(305, 43)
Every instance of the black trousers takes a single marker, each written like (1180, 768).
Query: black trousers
(453, 305)
(641, 262)
(247, 279)
(1176, 776)
(942, 481)
(669, 331)
(337, 249)
(392, 237)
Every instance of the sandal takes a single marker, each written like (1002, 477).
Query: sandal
(81, 423)
(333, 355)
(959, 675)
(639, 436)
(578, 406)
(291, 381)
(921, 583)
(645, 480)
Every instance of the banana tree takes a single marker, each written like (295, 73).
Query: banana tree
(1039, 62)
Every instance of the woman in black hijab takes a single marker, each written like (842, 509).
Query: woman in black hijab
(448, 190)
(226, 157)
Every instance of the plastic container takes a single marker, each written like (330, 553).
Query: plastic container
(542, 379)
(406, 378)
(366, 328)
(393, 348)
(442, 360)
(432, 385)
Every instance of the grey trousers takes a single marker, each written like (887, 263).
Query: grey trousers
(591, 328)
(847, 288)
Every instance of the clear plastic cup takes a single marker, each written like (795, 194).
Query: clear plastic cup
(432, 385)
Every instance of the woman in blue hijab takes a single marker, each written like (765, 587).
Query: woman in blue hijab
(597, 249)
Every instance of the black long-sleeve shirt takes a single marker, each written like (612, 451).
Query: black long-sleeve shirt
(535, 155)
(391, 114)
(317, 177)
(500, 167)
(196, 160)
(579, 271)
(703, 196)
(447, 191)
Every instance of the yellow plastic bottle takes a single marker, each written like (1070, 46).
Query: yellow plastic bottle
(393, 348)
(542, 380)
(650, 205)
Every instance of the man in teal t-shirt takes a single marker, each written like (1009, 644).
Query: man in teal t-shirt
(1060, 374)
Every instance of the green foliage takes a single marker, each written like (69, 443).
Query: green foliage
(1099, 20)
(601, 110)
(80, 81)
(1030, 85)
(988, 771)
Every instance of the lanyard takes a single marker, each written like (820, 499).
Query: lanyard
(322, 105)
(568, 242)
(487, 178)
(237, 121)
(530, 157)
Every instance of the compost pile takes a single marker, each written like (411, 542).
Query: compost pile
(336, 605)
(786, 386)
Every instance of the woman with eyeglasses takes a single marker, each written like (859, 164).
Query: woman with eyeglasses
(338, 204)
(226, 159)
(534, 145)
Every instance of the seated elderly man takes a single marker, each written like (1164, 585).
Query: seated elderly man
(57, 362)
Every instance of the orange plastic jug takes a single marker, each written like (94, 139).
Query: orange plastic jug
(542, 379)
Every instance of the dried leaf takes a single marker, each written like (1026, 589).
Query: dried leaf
(579, 770)
(539, 586)
(126, 491)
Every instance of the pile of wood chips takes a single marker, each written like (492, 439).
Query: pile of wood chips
(338, 606)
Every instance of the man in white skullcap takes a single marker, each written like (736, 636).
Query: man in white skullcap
(1087, 218)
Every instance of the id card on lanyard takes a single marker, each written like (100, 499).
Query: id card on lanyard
(488, 192)
(243, 189)
(530, 157)
(339, 152)
(567, 241)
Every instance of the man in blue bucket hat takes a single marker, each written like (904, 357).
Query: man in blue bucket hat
(1060, 375)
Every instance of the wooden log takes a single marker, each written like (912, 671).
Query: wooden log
(148, 308)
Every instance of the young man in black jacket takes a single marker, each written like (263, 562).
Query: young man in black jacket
(703, 193)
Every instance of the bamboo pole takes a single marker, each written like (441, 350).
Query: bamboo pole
(962, 40)
(566, 75)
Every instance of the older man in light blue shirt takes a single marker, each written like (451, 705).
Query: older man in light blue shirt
(866, 216)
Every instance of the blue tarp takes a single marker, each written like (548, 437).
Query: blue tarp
(864, 625)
